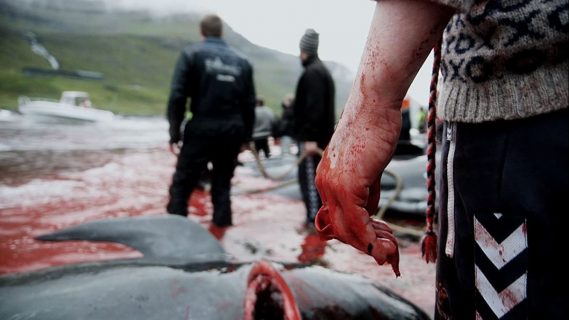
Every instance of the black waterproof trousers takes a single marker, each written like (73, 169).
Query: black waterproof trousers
(262, 144)
(194, 156)
(503, 220)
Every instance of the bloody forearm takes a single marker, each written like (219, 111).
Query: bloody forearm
(401, 35)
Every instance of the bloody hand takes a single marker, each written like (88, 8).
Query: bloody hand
(348, 180)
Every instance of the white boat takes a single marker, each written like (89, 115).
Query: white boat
(73, 105)
(9, 116)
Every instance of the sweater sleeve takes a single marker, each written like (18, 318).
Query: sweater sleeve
(459, 5)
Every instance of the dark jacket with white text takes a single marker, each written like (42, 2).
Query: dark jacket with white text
(219, 82)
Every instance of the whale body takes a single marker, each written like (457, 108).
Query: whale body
(185, 274)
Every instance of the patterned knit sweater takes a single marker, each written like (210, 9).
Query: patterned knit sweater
(504, 59)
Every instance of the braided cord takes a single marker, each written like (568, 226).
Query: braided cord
(429, 241)
(431, 133)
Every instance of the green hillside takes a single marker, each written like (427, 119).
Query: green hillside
(135, 52)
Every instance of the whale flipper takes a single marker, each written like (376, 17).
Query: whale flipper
(164, 239)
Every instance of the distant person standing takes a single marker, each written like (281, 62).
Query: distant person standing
(405, 134)
(263, 128)
(314, 118)
(219, 82)
(422, 120)
(286, 124)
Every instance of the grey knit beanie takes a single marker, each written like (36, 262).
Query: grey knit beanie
(309, 42)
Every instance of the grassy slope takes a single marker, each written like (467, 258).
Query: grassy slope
(136, 54)
(135, 87)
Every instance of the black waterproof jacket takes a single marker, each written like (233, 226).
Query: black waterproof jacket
(314, 115)
(219, 82)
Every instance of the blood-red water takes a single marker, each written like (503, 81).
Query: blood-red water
(87, 186)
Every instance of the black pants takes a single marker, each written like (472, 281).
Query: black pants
(503, 221)
(194, 156)
(262, 144)
(306, 179)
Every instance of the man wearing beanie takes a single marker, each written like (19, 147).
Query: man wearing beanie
(314, 118)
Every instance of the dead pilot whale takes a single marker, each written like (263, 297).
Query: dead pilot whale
(185, 274)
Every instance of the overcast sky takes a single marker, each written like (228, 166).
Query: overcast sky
(279, 24)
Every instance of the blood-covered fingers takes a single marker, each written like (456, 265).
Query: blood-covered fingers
(385, 250)
(381, 250)
(386, 235)
(381, 225)
(373, 198)
(348, 204)
(394, 261)
(323, 224)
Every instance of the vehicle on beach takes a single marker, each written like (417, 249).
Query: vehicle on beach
(73, 105)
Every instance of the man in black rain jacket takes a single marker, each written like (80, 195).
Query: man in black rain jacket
(314, 118)
(219, 83)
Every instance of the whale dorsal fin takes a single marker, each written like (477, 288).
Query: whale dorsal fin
(164, 239)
